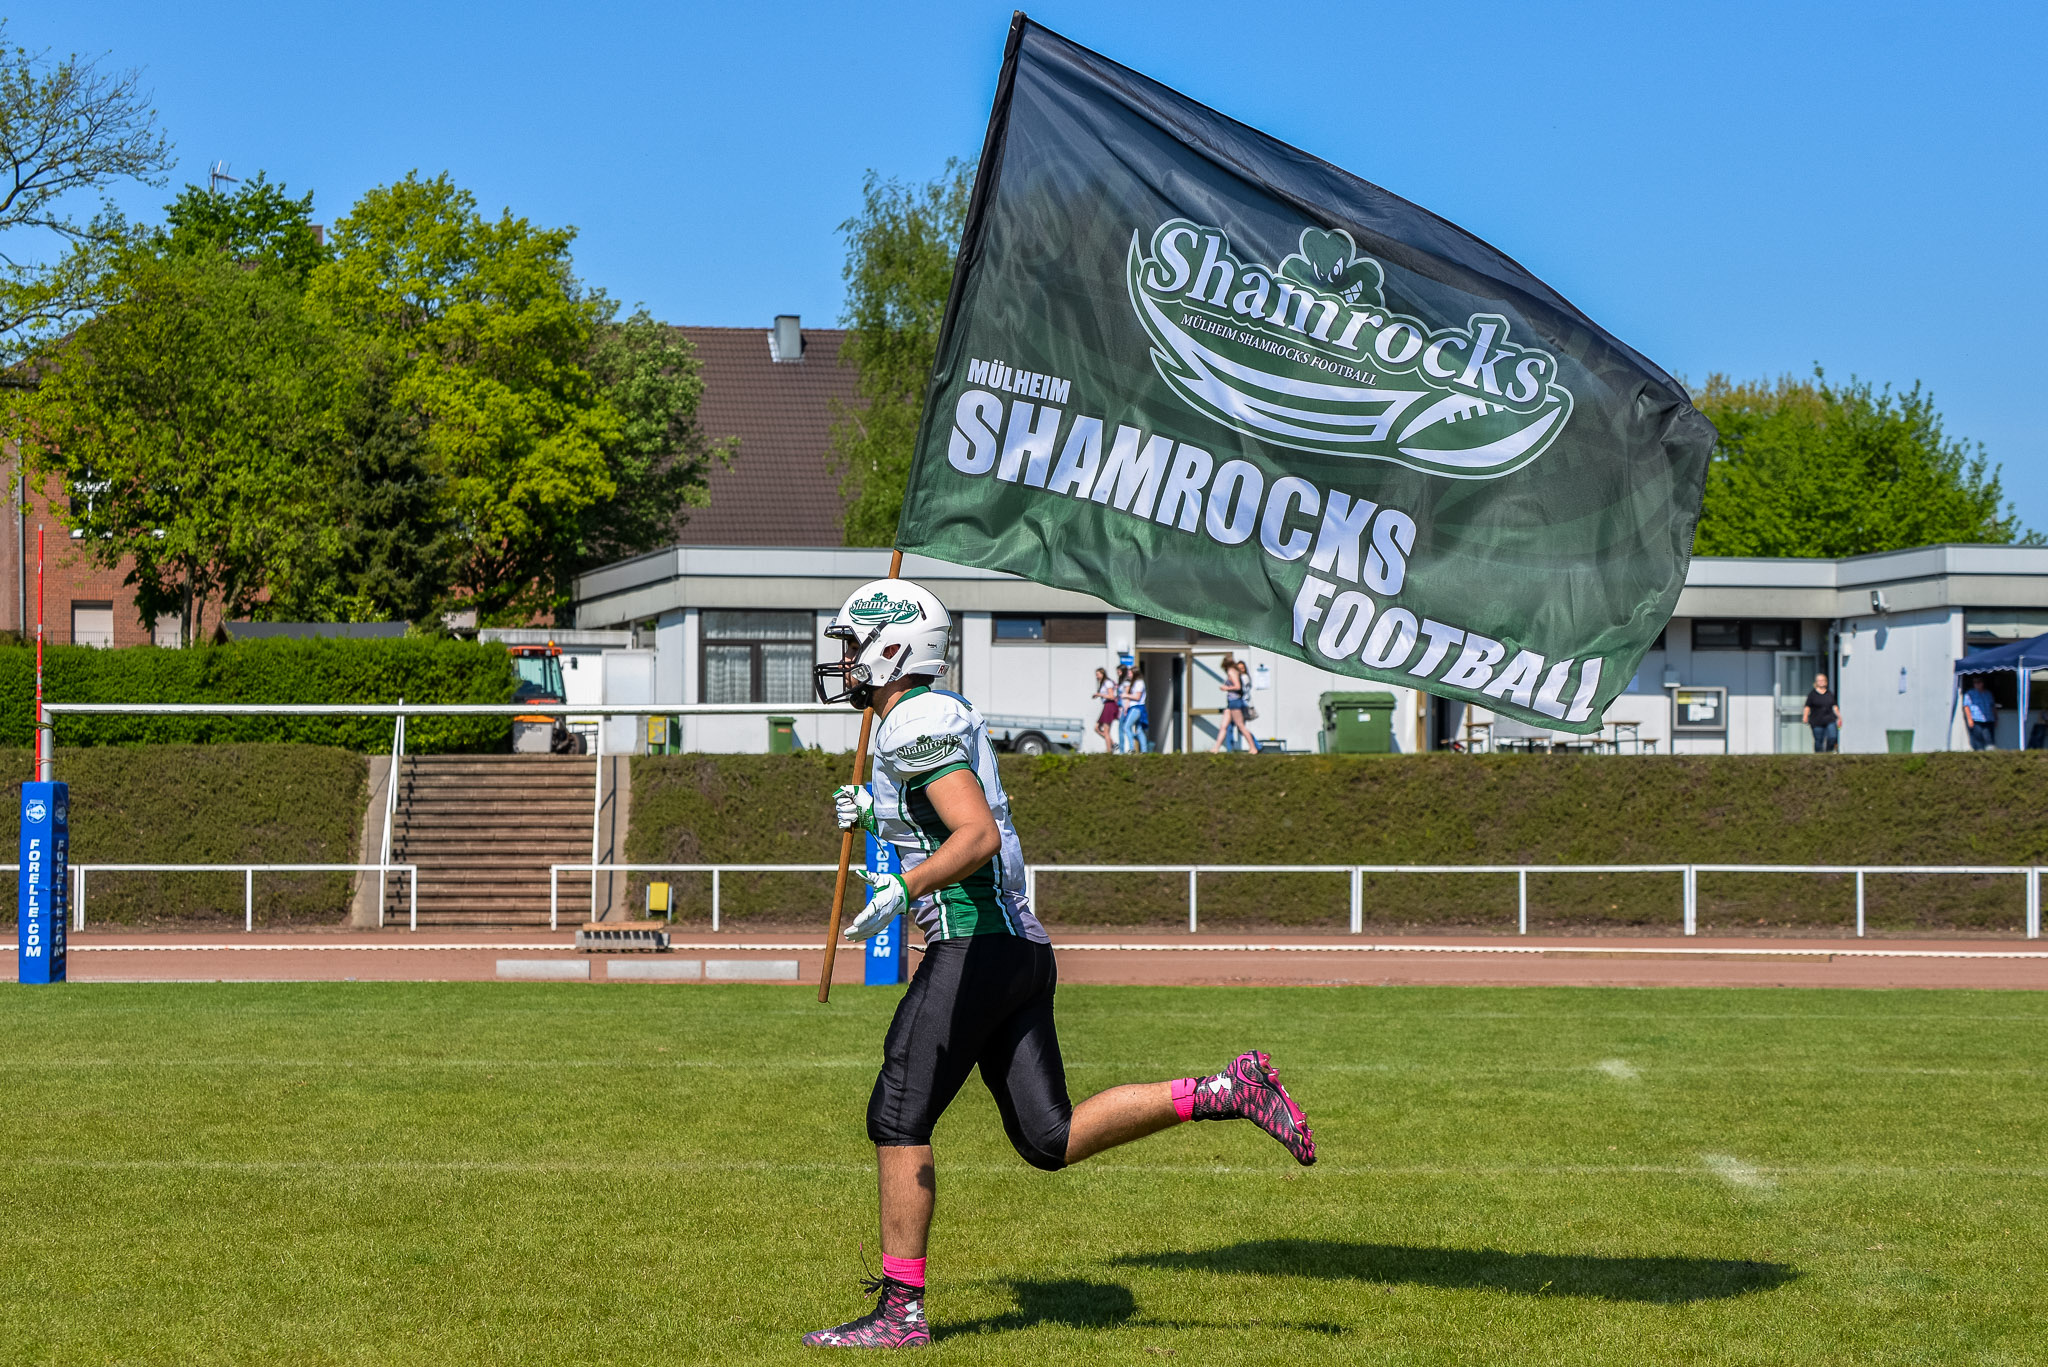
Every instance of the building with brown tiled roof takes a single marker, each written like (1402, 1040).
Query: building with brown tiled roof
(778, 391)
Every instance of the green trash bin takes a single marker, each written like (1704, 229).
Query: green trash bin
(1899, 742)
(782, 736)
(1357, 723)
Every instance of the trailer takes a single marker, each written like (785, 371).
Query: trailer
(1034, 735)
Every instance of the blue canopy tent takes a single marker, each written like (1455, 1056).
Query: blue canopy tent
(2021, 657)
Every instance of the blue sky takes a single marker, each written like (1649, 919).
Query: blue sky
(1743, 188)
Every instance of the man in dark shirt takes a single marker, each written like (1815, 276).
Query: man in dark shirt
(1824, 714)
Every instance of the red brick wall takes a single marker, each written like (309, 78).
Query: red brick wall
(69, 575)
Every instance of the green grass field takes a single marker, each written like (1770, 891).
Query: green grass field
(486, 1173)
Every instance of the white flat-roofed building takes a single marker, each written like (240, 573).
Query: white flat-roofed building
(746, 623)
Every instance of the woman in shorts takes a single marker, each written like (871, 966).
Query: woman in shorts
(1236, 679)
(1105, 720)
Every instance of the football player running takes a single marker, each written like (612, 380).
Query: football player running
(983, 994)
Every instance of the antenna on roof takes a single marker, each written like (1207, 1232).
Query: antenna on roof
(217, 173)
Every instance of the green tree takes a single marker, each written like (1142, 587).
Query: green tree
(392, 543)
(496, 336)
(68, 128)
(191, 423)
(1806, 468)
(900, 250)
(258, 222)
(648, 373)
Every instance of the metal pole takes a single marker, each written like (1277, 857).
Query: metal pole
(1191, 900)
(596, 815)
(413, 908)
(1692, 900)
(1357, 902)
(1522, 898)
(78, 897)
(248, 900)
(1859, 904)
(714, 900)
(554, 874)
(2033, 905)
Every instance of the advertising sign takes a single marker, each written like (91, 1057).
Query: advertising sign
(44, 904)
(886, 957)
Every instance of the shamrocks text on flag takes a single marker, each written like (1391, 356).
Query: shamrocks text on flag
(1211, 379)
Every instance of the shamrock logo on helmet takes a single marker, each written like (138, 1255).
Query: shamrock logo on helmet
(882, 610)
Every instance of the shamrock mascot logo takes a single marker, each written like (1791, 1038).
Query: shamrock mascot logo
(1308, 355)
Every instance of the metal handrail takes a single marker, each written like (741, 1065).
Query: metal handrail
(492, 709)
(1689, 874)
(248, 872)
(390, 807)
(594, 868)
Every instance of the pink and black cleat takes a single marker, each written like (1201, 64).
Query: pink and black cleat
(1249, 1089)
(897, 1320)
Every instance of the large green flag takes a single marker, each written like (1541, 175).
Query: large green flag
(1212, 379)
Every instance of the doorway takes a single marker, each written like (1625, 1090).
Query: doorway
(1795, 671)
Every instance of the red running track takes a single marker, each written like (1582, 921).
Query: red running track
(1233, 960)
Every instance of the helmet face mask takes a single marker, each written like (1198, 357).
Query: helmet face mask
(887, 629)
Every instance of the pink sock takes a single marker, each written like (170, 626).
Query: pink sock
(909, 1271)
(1184, 1097)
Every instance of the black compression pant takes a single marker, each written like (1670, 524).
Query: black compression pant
(984, 1000)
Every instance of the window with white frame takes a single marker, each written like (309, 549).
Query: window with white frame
(757, 656)
(92, 624)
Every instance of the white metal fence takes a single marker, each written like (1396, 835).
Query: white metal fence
(77, 873)
(1688, 875)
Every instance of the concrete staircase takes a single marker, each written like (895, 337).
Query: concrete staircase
(483, 830)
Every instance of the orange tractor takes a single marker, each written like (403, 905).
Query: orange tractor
(540, 681)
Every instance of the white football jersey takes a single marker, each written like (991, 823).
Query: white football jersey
(928, 733)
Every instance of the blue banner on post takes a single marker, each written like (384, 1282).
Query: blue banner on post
(44, 905)
(886, 955)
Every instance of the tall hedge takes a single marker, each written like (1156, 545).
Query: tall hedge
(209, 804)
(417, 669)
(1417, 809)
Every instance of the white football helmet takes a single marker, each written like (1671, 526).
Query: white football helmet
(888, 629)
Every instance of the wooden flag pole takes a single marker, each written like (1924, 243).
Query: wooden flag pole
(860, 765)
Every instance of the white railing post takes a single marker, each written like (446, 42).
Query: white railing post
(714, 901)
(77, 876)
(1859, 904)
(1692, 900)
(1522, 901)
(1191, 899)
(596, 815)
(2033, 904)
(390, 812)
(248, 899)
(412, 912)
(1358, 901)
(554, 875)
(1031, 888)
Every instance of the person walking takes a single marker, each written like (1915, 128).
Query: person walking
(1823, 712)
(1980, 710)
(1137, 716)
(1236, 679)
(1105, 719)
(982, 996)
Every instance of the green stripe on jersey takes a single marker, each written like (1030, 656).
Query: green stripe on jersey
(974, 904)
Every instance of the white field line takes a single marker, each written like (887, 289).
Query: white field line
(1620, 1069)
(1149, 1068)
(1765, 1175)
(1737, 1173)
(1762, 949)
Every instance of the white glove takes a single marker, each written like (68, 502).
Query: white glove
(888, 898)
(854, 806)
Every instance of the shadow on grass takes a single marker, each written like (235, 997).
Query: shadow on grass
(1077, 1304)
(1662, 1280)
